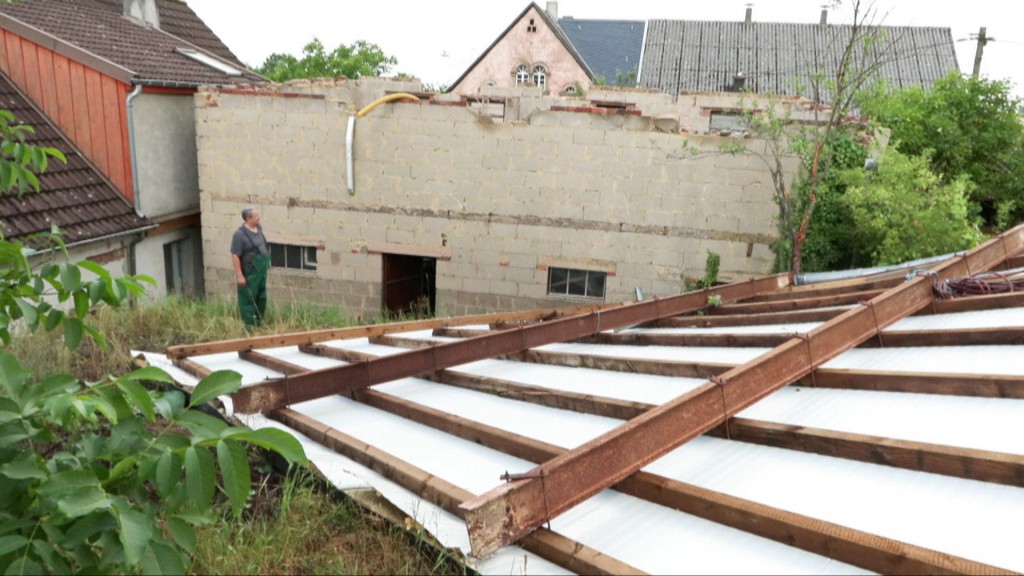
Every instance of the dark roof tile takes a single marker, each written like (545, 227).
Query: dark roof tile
(781, 58)
(99, 28)
(611, 48)
(74, 195)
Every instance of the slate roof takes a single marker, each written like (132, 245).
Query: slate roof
(609, 47)
(74, 196)
(143, 54)
(780, 58)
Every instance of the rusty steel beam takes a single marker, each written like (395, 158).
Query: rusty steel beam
(835, 541)
(310, 337)
(563, 551)
(955, 337)
(510, 511)
(713, 321)
(794, 304)
(968, 463)
(348, 378)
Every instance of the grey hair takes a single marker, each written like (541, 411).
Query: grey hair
(246, 212)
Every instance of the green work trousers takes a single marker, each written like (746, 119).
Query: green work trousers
(252, 298)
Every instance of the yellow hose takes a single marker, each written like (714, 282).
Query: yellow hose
(390, 97)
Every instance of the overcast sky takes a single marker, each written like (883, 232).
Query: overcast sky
(437, 40)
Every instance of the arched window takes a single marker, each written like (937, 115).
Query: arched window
(540, 76)
(522, 75)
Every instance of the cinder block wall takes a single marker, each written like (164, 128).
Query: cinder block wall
(498, 203)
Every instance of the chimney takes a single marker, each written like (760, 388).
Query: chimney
(824, 15)
(552, 10)
(750, 13)
(142, 10)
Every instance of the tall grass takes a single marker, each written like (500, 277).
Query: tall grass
(293, 527)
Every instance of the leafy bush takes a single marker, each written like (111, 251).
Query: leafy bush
(904, 211)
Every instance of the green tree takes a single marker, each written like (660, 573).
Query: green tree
(969, 127)
(360, 59)
(904, 211)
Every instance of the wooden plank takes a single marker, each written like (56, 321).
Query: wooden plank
(794, 304)
(969, 385)
(97, 150)
(972, 303)
(716, 321)
(345, 379)
(567, 553)
(33, 87)
(65, 113)
(80, 98)
(113, 99)
(48, 81)
(510, 511)
(16, 60)
(981, 465)
(314, 336)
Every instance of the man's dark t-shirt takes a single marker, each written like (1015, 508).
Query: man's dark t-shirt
(248, 245)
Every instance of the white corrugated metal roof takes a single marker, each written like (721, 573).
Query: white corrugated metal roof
(978, 521)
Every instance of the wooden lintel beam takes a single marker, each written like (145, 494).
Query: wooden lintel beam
(812, 535)
(510, 511)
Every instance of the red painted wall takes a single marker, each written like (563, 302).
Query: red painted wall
(87, 105)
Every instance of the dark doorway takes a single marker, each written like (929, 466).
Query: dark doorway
(409, 285)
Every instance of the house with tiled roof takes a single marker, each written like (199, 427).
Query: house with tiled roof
(688, 56)
(92, 215)
(118, 79)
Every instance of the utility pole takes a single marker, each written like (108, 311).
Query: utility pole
(982, 40)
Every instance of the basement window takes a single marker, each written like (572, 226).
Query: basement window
(210, 61)
(571, 282)
(292, 256)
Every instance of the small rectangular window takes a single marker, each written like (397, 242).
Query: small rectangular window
(570, 282)
(292, 256)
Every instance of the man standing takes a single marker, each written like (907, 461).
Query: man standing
(250, 255)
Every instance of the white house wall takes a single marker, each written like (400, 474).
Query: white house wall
(165, 145)
(497, 202)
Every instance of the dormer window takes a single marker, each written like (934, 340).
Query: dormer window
(531, 27)
(522, 75)
(540, 77)
(210, 61)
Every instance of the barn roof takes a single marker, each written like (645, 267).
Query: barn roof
(870, 424)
